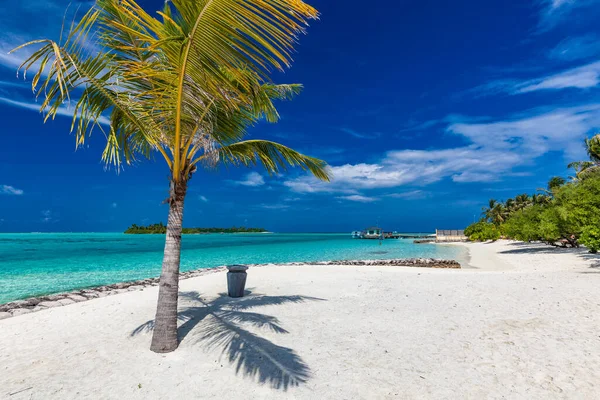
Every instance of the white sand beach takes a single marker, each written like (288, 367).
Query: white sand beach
(524, 323)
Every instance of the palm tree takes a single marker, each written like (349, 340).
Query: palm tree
(522, 201)
(540, 199)
(494, 212)
(185, 86)
(553, 184)
(584, 168)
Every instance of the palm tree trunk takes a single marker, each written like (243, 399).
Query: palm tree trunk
(164, 338)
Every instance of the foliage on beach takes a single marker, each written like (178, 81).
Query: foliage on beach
(482, 231)
(184, 86)
(162, 228)
(566, 213)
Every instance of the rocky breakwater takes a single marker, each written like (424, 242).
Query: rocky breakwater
(397, 262)
(34, 304)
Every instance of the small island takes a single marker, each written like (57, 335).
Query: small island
(162, 228)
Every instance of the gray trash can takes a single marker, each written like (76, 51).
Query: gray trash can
(236, 280)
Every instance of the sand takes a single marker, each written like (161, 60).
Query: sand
(523, 323)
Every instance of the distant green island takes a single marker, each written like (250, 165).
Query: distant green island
(162, 228)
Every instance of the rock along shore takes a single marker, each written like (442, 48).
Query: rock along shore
(33, 304)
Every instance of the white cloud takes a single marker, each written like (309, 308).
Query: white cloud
(575, 48)
(416, 167)
(361, 135)
(561, 129)
(584, 77)
(273, 206)
(556, 12)
(252, 179)
(48, 16)
(64, 110)
(359, 198)
(410, 195)
(496, 149)
(47, 216)
(10, 190)
(203, 198)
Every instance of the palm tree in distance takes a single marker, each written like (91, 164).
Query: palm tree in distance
(494, 212)
(184, 85)
(584, 168)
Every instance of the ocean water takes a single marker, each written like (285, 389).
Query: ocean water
(33, 264)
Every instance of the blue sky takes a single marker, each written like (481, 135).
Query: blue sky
(424, 109)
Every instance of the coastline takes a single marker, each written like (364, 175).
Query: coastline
(36, 265)
(40, 303)
(510, 330)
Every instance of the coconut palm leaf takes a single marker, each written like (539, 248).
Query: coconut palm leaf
(273, 156)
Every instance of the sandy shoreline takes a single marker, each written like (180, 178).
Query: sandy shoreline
(524, 324)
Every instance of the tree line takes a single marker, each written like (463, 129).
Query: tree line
(565, 213)
(161, 228)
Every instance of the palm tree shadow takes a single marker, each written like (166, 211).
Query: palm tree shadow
(219, 323)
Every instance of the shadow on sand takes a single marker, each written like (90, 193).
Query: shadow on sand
(537, 248)
(218, 323)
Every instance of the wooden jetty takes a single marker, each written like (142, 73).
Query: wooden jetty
(378, 233)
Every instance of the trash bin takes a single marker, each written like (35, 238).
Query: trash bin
(236, 280)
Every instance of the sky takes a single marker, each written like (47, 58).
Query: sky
(423, 109)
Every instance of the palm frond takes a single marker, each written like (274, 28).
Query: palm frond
(273, 156)
(184, 83)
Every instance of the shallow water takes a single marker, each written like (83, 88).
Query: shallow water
(33, 264)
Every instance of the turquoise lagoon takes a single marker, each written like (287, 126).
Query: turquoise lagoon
(33, 264)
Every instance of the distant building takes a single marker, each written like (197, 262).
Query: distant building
(442, 235)
(372, 233)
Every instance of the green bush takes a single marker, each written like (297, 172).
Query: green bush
(590, 238)
(524, 224)
(482, 231)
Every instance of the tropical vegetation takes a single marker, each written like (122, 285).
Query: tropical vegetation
(161, 228)
(566, 212)
(183, 85)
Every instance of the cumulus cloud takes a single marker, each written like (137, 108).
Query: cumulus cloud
(417, 167)
(560, 129)
(10, 190)
(495, 150)
(252, 179)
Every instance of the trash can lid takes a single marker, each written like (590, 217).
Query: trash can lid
(237, 268)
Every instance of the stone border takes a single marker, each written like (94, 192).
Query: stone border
(33, 304)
